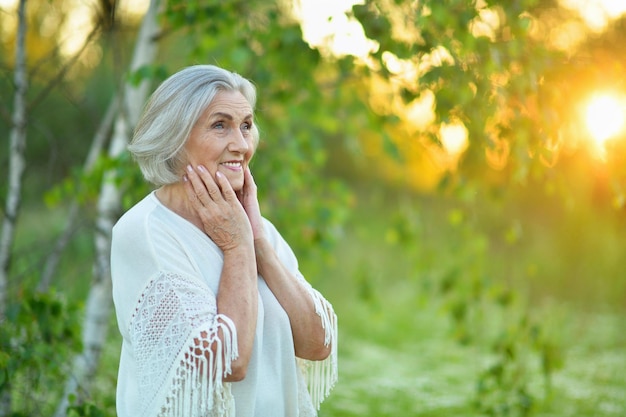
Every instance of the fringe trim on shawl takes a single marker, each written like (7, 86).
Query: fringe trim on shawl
(321, 376)
(195, 394)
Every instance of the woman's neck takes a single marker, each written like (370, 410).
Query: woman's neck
(174, 197)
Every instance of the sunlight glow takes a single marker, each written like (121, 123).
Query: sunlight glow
(420, 113)
(76, 27)
(325, 24)
(597, 13)
(604, 117)
(79, 22)
(135, 9)
(454, 137)
(486, 23)
(9, 19)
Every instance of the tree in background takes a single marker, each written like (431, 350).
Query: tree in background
(35, 325)
(492, 90)
(99, 301)
(14, 192)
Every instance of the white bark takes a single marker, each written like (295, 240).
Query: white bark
(17, 146)
(99, 301)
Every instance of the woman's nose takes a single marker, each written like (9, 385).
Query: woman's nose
(240, 142)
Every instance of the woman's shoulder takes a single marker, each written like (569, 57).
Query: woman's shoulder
(146, 231)
(151, 218)
(135, 217)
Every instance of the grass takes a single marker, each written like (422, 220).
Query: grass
(425, 287)
(400, 352)
(431, 375)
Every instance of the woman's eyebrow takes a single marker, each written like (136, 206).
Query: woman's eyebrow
(230, 116)
(222, 115)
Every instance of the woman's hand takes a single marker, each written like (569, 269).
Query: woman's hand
(226, 223)
(223, 217)
(249, 200)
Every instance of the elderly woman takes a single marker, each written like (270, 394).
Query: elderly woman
(215, 316)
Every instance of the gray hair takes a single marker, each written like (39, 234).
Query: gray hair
(172, 111)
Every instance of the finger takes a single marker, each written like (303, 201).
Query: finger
(192, 195)
(209, 184)
(247, 175)
(251, 204)
(197, 189)
(248, 184)
(224, 184)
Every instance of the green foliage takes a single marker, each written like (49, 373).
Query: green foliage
(84, 409)
(259, 40)
(38, 338)
(498, 320)
(83, 187)
(437, 317)
(147, 72)
(498, 83)
(493, 319)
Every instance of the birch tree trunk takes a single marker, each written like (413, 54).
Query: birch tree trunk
(99, 301)
(17, 145)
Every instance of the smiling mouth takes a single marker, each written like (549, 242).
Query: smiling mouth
(233, 164)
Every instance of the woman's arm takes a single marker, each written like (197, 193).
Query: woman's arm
(309, 335)
(306, 325)
(225, 222)
(237, 298)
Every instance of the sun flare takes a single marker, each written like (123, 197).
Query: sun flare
(604, 117)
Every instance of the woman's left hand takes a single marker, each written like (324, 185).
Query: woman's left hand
(249, 200)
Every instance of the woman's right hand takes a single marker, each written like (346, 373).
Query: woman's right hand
(225, 221)
(223, 218)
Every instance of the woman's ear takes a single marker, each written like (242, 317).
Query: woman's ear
(178, 163)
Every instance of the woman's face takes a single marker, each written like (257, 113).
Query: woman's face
(222, 138)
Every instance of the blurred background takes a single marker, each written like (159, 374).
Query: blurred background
(450, 173)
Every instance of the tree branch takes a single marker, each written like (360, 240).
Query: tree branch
(63, 71)
(97, 145)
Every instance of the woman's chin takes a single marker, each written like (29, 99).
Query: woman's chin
(237, 185)
(235, 179)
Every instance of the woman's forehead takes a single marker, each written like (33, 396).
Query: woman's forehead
(230, 102)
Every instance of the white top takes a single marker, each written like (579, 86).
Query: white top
(166, 274)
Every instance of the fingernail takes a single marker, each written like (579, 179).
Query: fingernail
(189, 168)
(185, 177)
(201, 168)
(218, 174)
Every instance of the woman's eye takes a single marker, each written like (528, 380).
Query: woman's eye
(218, 125)
(246, 126)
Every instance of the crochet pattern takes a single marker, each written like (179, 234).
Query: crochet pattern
(175, 337)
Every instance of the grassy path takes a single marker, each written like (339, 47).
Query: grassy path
(421, 371)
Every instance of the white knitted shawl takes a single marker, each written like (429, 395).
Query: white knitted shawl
(172, 326)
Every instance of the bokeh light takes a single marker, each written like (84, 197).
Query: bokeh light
(604, 117)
